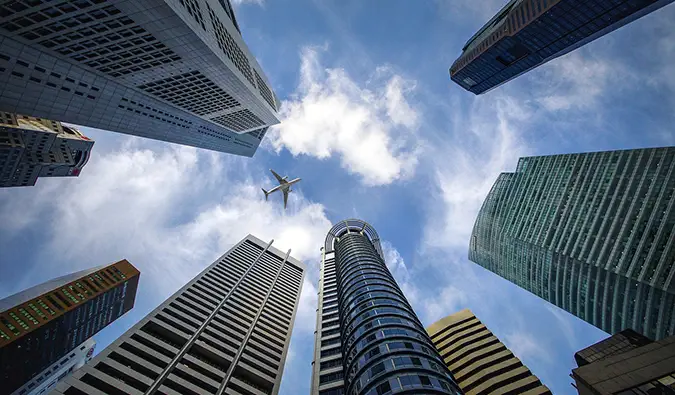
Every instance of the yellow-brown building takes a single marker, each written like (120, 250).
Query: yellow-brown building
(42, 324)
(481, 363)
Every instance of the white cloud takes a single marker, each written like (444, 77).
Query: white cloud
(575, 81)
(162, 210)
(485, 143)
(371, 129)
(524, 346)
(237, 3)
(448, 301)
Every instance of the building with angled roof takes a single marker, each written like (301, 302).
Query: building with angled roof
(32, 147)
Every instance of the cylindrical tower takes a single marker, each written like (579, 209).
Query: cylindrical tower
(385, 349)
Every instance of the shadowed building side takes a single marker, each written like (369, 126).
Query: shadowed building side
(626, 363)
(481, 364)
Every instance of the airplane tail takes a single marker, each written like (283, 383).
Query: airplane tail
(265, 192)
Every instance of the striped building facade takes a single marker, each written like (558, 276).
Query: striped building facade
(368, 339)
(226, 332)
(481, 364)
(592, 233)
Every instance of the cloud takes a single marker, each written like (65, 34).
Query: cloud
(162, 209)
(237, 3)
(575, 81)
(371, 129)
(524, 346)
(482, 144)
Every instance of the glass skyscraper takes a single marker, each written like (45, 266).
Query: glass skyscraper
(592, 233)
(527, 33)
(226, 332)
(368, 339)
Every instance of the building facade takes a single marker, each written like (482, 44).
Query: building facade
(527, 33)
(34, 147)
(480, 362)
(171, 70)
(226, 332)
(43, 324)
(626, 364)
(368, 339)
(44, 381)
(592, 233)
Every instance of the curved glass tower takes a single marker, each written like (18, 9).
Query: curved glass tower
(369, 340)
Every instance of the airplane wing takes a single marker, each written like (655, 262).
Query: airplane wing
(285, 191)
(278, 177)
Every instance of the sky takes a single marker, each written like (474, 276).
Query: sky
(375, 128)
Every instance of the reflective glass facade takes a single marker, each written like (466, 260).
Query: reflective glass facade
(592, 233)
(528, 33)
(369, 340)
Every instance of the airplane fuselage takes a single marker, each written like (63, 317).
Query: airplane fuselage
(282, 187)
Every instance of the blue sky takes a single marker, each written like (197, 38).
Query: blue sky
(376, 129)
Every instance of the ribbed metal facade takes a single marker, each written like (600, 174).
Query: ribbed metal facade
(528, 33)
(369, 340)
(225, 332)
(592, 233)
(481, 364)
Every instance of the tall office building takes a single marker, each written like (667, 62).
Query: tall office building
(481, 363)
(170, 70)
(226, 332)
(368, 340)
(33, 147)
(527, 33)
(626, 363)
(592, 233)
(43, 324)
(45, 381)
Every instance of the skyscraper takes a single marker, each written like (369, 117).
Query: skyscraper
(226, 332)
(527, 33)
(44, 381)
(171, 70)
(480, 362)
(626, 363)
(592, 233)
(44, 323)
(368, 339)
(33, 147)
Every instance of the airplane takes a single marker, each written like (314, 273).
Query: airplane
(284, 186)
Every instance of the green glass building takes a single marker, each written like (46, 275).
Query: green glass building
(592, 233)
